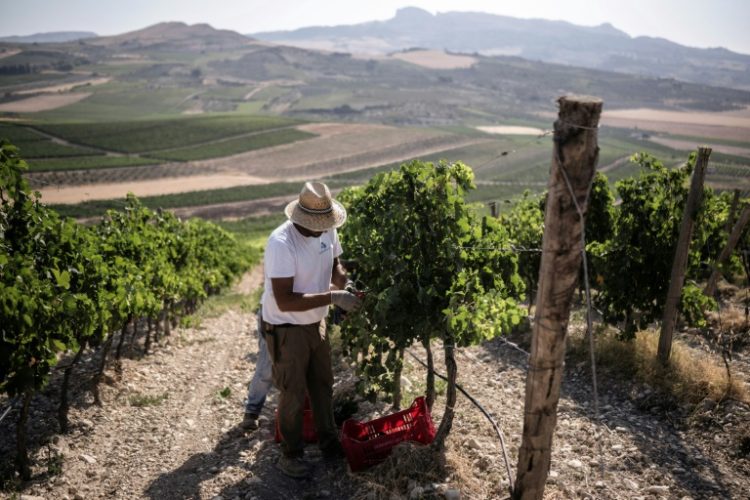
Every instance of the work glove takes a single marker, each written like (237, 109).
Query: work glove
(345, 300)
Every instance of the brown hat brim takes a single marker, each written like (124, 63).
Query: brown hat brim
(316, 222)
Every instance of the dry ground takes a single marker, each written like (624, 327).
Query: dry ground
(189, 444)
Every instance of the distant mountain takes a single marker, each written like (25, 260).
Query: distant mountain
(175, 36)
(51, 37)
(600, 47)
(220, 70)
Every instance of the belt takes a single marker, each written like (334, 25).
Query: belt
(269, 327)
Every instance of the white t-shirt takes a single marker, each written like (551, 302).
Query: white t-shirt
(309, 260)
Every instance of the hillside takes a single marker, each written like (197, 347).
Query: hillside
(600, 47)
(50, 37)
(174, 67)
(175, 36)
(106, 91)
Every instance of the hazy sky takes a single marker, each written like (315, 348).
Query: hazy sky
(698, 23)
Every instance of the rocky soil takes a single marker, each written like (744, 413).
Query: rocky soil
(169, 429)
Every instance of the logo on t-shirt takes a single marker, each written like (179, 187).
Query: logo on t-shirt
(323, 247)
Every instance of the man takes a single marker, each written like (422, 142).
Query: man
(303, 277)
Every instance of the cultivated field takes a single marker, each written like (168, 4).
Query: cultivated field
(733, 125)
(435, 59)
(685, 145)
(505, 165)
(168, 185)
(43, 102)
(187, 111)
(57, 89)
(336, 148)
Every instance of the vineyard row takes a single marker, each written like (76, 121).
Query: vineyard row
(65, 287)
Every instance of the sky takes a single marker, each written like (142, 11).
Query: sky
(696, 23)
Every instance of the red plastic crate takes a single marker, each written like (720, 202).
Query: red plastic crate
(308, 425)
(369, 443)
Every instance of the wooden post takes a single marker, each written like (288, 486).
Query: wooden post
(677, 278)
(732, 211)
(734, 238)
(493, 209)
(576, 153)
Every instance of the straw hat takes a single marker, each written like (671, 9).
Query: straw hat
(315, 209)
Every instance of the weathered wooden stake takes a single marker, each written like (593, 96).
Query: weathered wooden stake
(732, 210)
(576, 152)
(734, 238)
(493, 209)
(679, 265)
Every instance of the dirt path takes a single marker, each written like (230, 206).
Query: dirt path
(165, 450)
(189, 444)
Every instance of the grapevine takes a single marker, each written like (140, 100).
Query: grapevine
(65, 286)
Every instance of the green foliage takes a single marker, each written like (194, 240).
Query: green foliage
(693, 303)
(525, 226)
(633, 267)
(141, 400)
(432, 268)
(743, 251)
(712, 234)
(55, 461)
(138, 136)
(235, 146)
(600, 215)
(63, 285)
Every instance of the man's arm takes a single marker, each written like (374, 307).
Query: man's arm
(288, 300)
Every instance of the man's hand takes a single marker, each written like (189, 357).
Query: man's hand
(345, 300)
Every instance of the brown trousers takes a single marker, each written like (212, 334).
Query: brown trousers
(303, 364)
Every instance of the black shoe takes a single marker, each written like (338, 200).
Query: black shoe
(294, 467)
(250, 422)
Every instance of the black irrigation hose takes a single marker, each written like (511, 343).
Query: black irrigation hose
(492, 421)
